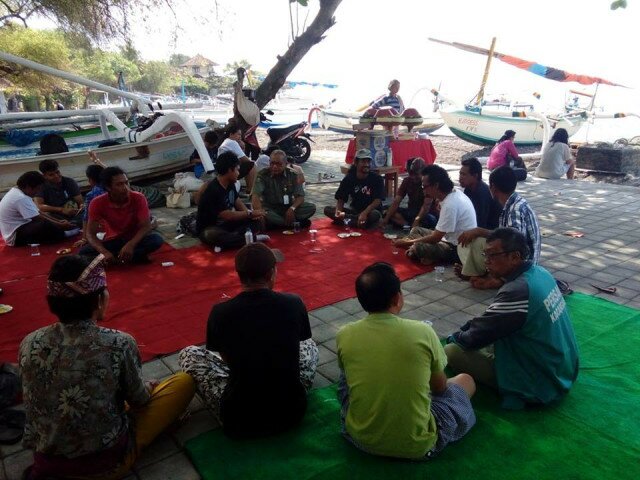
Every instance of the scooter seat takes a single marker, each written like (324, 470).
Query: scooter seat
(279, 131)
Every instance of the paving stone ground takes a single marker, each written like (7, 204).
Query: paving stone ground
(606, 255)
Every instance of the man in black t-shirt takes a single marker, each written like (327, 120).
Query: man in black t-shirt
(259, 359)
(222, 219)
(487, 208)
(365, 192)
(60, 196)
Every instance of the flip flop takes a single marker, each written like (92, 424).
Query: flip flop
(609, 290)
(564, 287)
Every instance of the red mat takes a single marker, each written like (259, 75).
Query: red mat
(166, 309)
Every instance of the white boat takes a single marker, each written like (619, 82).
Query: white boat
(162, 147)
(481, 124)
(343, 122)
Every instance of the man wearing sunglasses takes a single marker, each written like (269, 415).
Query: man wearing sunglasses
(523, 345)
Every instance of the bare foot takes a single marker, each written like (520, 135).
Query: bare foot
(457, 269)
(486, 283)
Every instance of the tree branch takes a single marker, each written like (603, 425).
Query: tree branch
(277, 76)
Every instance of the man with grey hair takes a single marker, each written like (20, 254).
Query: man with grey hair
(523, 344)
(278, 192)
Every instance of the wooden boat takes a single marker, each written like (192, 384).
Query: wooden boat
(481, 124)
(344, 122)
(164, 146)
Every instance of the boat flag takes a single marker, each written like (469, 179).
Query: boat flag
(536, 68)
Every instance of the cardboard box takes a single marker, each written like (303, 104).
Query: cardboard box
(378, 143)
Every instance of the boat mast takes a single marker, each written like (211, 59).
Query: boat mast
(480, 96)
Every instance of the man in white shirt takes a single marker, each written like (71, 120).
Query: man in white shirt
(21, 223)
(456, 216)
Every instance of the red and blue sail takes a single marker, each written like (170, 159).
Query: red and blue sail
(534, 67)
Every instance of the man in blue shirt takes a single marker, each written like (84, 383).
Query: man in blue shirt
(523, 344)
(516, 213)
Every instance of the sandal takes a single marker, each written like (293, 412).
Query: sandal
(564, 287)
(609, 290)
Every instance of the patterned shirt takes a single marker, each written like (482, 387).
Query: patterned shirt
(76, 379)
(518, 214)
(393, 101)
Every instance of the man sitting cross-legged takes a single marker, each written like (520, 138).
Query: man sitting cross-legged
(396, 399)
(60, 196)
(89, 411)
(222, 218)
(456, 216)
(523, 344)
(278, 192)
(125, 217)
(420, 210)
(366, 191)
(21, 223)
(516, 213)
(259, 359)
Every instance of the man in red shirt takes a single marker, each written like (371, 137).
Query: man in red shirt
(125, 217)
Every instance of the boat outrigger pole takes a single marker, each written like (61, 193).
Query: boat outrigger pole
(130, 135)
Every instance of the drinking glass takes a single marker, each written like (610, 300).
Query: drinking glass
(35, 249)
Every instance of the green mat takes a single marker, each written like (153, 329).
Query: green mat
(594, 433)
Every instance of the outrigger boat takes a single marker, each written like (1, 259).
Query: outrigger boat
(162, 145)
(483, 123)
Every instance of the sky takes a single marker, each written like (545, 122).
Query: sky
(374, 41)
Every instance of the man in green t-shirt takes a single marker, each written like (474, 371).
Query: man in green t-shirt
(396, 399)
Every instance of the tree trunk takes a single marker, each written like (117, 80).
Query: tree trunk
(301, 45)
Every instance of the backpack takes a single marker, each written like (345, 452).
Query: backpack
(187, 224)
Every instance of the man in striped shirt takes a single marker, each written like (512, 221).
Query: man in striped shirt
(392, 100)
(523, 344)
(516, 213)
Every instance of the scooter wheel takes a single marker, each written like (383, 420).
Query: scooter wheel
(304, 150)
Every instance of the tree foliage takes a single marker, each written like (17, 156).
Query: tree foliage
(98, 19)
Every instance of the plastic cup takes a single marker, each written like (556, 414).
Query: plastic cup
(296, 227)
(35, 249)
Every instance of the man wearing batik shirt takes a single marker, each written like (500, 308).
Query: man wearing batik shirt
(88, 410)
(523, 345)
(516, 213)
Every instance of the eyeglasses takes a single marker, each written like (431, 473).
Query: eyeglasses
(492, 255)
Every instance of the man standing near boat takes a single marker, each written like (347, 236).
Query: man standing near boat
(125, 215)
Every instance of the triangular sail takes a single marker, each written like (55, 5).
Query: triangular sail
(536, 68)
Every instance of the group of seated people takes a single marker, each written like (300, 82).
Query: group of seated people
(90, 412)
(556, 159)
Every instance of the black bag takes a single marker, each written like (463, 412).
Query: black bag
(187, 224)
(9, 385)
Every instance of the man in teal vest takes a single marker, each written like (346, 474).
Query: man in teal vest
(523, 344)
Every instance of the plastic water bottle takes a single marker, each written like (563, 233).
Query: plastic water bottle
(248, 236)
(439, 271)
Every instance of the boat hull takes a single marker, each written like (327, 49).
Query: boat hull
(484, 129)
(166, 155)
(343, 122)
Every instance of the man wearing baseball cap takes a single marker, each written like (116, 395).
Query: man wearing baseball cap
(259, 361)
(363, 190)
